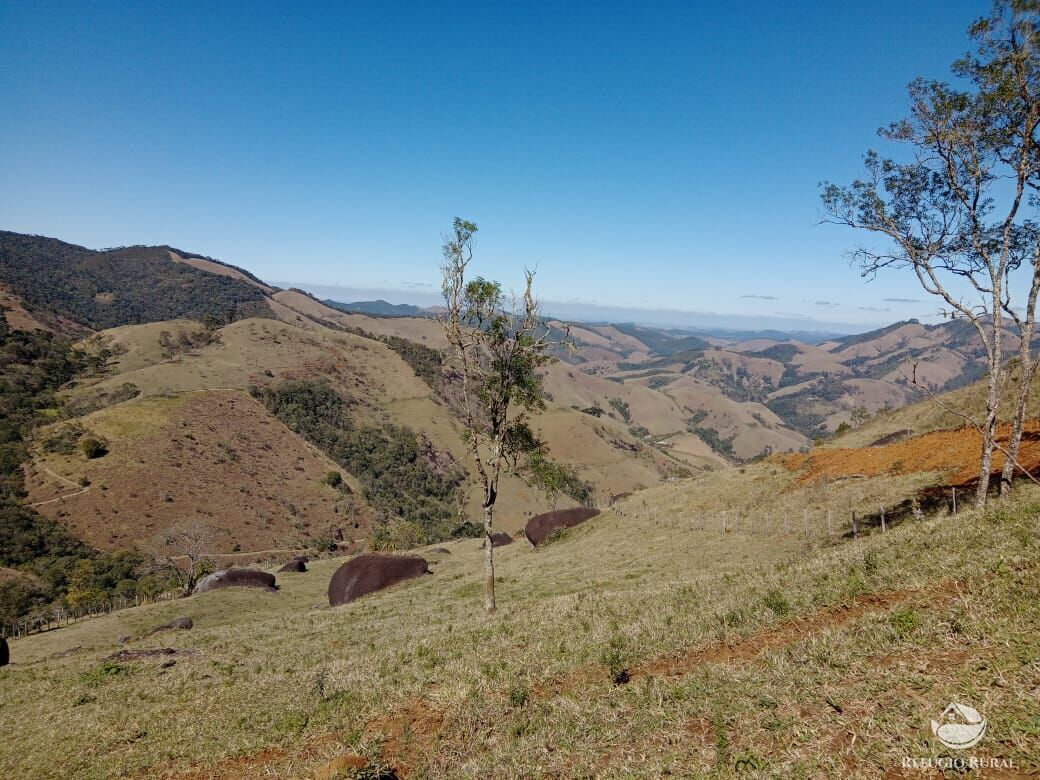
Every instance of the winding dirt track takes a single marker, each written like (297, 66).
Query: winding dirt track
(81, 490)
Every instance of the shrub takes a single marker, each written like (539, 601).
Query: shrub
(63, 440)
(904, 621)
(777, 602)
(558, 535)
(870, 563)
(558, 478)
(615, 657)
(333, 479)
(467, 530)
(621, 407)
(93, 446)
(102, 673)
(519, 695)
(324, 544)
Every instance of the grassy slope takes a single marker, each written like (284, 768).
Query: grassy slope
(863, 643)
(246, 350)
(927, 415)
(217, 457)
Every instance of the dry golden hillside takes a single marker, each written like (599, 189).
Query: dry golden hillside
(192, 444)
(215, 457)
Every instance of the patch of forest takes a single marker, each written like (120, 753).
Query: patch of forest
(49, 565)
(127, 286)
(415, 490)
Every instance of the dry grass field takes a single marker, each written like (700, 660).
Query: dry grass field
(646, 643)
(217, 457)
(222, 456)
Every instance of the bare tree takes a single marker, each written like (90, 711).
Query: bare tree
(180, 552)
(957, 214)
(495, 356)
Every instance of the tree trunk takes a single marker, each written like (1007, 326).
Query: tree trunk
(1025, 379)
(489, 560)
(989, 429)
(1026, 371)
(986, 459)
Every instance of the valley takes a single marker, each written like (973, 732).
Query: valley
(778, 506)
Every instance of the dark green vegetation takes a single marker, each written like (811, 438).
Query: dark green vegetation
(402, 475)
(379, 308)
(781, 352)
(187, 341)
(425, 361)
(801, 410)
(100, 399)
(33, 365)
(621, 407)
(557, 479)
(105, 289)
(663, 342)
(711, 437)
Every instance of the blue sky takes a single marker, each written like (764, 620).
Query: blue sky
(655, 155)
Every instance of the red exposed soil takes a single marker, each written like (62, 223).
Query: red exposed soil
(787, 632)
(953, 453)
(255, 765)
(406, 733)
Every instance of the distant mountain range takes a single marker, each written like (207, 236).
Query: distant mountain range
(698, 395)
(379, 308)
(282, 422)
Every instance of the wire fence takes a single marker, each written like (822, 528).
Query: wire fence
(57, 616)
(818, 523)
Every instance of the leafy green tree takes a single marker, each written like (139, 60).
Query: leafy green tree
(83, 589)
(960, 210)
(495, 352)
(93, 447)
(557, 479)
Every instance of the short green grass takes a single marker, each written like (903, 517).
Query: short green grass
(420, 675)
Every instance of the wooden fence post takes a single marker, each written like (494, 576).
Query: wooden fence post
(855, 526)
(883, 528)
